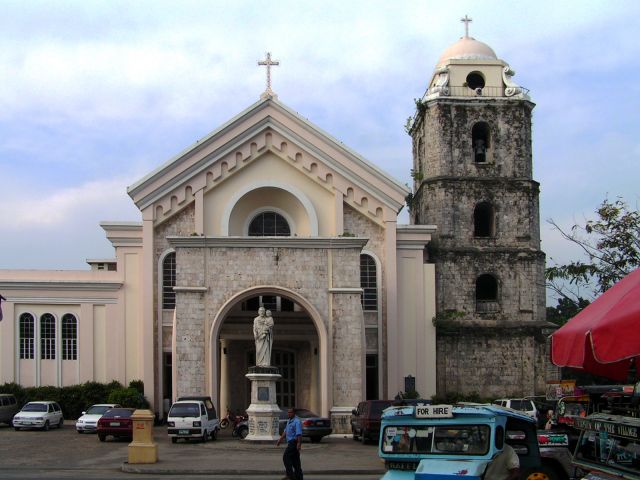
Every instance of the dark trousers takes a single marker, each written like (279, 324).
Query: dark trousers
(291, 459)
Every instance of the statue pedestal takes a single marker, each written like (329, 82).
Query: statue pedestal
(264, 413)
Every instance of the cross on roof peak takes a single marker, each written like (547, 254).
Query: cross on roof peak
(267, 62)
(466, 20)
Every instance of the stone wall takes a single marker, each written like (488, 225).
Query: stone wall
(493, 363)
(450, 204)
(519, 299)
(498, 348)
(442, 141)
(357, 224)
(226, 271)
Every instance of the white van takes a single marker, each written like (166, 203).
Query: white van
(193, 417)
(523, 405)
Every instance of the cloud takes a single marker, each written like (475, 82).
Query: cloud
(67, 206)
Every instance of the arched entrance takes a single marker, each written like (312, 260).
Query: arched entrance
(299, 350)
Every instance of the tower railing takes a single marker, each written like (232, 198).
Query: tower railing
(487, 92)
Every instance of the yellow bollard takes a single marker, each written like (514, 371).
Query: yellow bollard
(142, 449)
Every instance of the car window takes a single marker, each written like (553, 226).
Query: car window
(202, 410)
(4, 400)
(184, 410)
(34, 407)
(56, 407)
(97, 409)
(118, 412)
(428, 439)
(522, 405)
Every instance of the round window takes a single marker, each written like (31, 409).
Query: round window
(475, 80)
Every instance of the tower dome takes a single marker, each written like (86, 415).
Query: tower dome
(467, 48)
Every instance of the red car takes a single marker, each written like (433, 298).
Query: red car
(117, 423)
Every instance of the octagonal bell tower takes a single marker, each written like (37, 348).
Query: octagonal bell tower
(472, 170)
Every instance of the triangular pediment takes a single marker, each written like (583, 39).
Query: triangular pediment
(269, 127)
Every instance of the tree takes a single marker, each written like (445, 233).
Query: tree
(565, 310)
(611, 244)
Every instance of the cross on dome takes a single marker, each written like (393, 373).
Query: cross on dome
(268, 63)
(466, 20)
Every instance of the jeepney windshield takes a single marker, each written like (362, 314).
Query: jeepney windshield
(440, 440)
(600, 448)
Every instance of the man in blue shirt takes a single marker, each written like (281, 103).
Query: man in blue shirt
(291, 457)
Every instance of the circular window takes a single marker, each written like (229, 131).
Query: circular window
(475, 80)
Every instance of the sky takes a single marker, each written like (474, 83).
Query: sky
(96, 94)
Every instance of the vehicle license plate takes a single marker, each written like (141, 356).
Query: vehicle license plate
(183, 432)
(115, 424)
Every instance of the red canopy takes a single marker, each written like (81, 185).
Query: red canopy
(604, 338)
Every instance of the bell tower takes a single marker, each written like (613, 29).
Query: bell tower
(472, 171)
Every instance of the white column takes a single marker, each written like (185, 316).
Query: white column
(393, 347)
(225, 400)
(147, 333)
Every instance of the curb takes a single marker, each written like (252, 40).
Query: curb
(159, 470)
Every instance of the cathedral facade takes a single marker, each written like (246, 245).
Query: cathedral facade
(270, 211)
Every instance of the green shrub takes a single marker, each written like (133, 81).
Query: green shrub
(137, 385)
(75, 399)
(128, 397)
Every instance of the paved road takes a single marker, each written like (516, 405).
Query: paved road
(64, 454)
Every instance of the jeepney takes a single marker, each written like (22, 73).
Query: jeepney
(443, 441)
(608, 447)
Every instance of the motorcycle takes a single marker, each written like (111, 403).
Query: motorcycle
(241, 429)
(232, 419)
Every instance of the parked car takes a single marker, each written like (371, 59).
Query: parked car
(365, 419)
(524, 405)
(88, 422)
(192, 417)
(42, 415)
(313, 426)
(117, 423)
(8, 407)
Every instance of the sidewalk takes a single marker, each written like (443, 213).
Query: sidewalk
(228, 456)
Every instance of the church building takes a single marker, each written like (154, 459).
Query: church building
(269, 210)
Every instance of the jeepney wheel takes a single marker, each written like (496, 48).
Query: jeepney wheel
(540, 473)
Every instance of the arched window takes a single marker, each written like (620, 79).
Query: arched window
(480, 141)
(69, 337)
(369, 283)
(47, 337)
(27, 336)
(169, 281)
(487, 294)
(483, 220)
(269, 224)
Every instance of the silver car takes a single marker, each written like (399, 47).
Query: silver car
(41, 415)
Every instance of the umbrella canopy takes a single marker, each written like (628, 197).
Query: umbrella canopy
(604, 338)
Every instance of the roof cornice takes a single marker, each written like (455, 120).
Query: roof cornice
(331, 243)
(265, 123)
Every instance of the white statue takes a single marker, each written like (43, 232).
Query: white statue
(263, 335)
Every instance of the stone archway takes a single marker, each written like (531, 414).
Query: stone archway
(301, 332)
